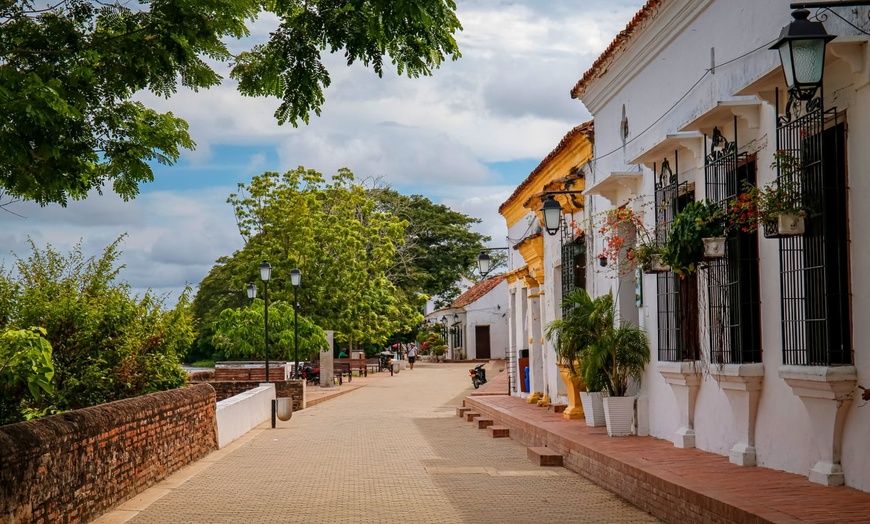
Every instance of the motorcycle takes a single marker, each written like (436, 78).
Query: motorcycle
(478, 375)
(311, 375)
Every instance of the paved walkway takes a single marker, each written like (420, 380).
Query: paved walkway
(393, 451)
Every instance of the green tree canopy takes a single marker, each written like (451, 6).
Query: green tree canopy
(335, 234)
(240, 333)
(69, 71)
(439, 246)
(107, 344)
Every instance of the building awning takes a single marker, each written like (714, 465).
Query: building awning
(722, 115)
(688, 140)
(617, 187)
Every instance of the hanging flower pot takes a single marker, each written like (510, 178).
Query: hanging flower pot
(714, 247)
(656, 265)
(785, 225)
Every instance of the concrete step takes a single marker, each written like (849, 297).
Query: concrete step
(483, 423)
(499, 431)
(460, 412)
(544, 457)
(471, 415)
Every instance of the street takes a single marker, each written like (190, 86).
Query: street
(392, 451)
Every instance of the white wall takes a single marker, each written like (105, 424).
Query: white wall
(241, 413)
(489, 310)
(673, 52)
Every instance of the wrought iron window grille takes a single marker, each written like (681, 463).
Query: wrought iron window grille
(677, 301)
(814, 267)
(733, 297)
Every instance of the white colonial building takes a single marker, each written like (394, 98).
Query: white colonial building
(759, 356)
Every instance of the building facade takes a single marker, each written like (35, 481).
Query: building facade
(758, 356)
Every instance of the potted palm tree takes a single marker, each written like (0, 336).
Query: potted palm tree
(570, 335)
(617, 357)
(583, 322)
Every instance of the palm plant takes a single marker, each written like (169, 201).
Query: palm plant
(620, 354)
(584, 322)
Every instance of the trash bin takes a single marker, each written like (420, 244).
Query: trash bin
(396, 367)
(285, 408)
(526, 378)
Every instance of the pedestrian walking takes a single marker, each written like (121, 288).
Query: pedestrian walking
(412, 354)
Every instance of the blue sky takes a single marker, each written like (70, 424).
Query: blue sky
(464, 137)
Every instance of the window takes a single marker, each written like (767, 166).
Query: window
(678, 327)
(814, 267)
(732, 281)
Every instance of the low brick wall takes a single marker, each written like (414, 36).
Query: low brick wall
(294, 389)
(75, 466)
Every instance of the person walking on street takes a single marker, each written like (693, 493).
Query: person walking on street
(412, 355)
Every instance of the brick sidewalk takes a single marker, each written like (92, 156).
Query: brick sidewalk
(678, 485)
(393, 451)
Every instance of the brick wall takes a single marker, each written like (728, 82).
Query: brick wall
(283, 388)
(73, 467)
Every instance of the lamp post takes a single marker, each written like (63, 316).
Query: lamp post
(296, 280)
(265, 276)
(484, 262)
(801, 47)
(552, 210)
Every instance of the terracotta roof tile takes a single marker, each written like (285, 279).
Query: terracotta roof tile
(599, 67)
(587, 129)
(479, 290)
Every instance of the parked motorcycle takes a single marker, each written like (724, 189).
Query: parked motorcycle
(311, 375)
(478, 375)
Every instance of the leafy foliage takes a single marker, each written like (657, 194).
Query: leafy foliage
(335, 234)
(25, 359)
(438, 247)
(240, 333)
(417, 35)
(585, 320)
(107, 345)
(71, 68)
(685, 247)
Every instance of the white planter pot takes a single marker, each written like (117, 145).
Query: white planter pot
(714, 247)
(619, 414)
(593, 407)
(785, 225)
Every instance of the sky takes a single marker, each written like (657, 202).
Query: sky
(464, 137)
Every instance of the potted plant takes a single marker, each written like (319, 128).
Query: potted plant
(777, 207)
(697, 233)
(648, 255)
(583, 322)
(619, 356)
(586, 320)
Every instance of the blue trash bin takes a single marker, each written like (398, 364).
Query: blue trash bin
(526, 379)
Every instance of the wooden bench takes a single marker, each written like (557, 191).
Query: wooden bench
(349, 365)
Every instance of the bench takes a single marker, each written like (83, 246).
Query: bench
(348, 365)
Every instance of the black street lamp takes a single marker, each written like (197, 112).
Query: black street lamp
(296, 280)
(552, 211)
(801, 47)
(484, 262)
(265, 276)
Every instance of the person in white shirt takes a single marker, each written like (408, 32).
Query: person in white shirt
(412, 355)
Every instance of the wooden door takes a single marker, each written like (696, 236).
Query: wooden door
(481, 342)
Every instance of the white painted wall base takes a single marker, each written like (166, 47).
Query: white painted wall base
(239, 414)
(685, 379)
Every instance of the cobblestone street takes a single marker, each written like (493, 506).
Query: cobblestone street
(392, 451)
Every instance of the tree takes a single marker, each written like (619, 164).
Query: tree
(107, 345)
(332, 231)
(69, 71)
(240, 333)
(439, 247)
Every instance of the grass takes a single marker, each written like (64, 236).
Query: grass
(203, 364)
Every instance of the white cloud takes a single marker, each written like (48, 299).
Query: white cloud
(506, 99)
